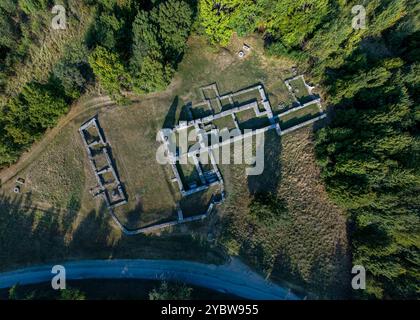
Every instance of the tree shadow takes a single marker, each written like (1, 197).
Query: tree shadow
(330, 275)
(97, 237)
(268, 181)
(92, 235)
(170, 118)
(134, 216)
(29, 234)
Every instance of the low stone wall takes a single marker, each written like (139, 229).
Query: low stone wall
(110, 203)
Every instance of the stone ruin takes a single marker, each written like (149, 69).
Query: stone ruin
(98, 151)
(112, 190)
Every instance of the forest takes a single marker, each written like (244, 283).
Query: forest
(368, 152)
(129, 46)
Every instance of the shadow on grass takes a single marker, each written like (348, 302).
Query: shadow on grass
(170, 118)
(269, 180)
(325, 280)
(30, 235)
(27, 233)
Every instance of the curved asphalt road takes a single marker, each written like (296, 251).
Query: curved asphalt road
(233, 278)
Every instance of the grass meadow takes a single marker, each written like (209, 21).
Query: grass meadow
(56, 218)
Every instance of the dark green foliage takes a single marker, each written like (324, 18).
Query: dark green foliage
(73, 71)
(109, 70)
(369, 154)
(171, 291)
(23, 293)
(159, 41)
(26, 117)
(34, 110)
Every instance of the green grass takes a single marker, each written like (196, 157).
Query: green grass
(308, 246)
(296, 117)
(188, 174)
(310, 249)
(248, 97)
(58, 175)
(226, 105)
(245, 115)
(248, 120)
(201, 111)
(224, 123)
(190, 134)
(300, 89)
(255, 123)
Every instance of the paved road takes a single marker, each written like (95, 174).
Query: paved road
(233, 278)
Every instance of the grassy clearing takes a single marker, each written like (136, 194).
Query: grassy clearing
(309, 248)
(189, 174)
(225, 123)
(197, 203)
(34, 236)
(309, 245)
(201, 111)
(299, 88)
(299, 116)
(57, 178)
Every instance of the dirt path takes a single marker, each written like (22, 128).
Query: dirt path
(80, 107)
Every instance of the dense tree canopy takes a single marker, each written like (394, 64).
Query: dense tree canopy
(109, 70)
(129, 46)
(159, 41)
(25, 117)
